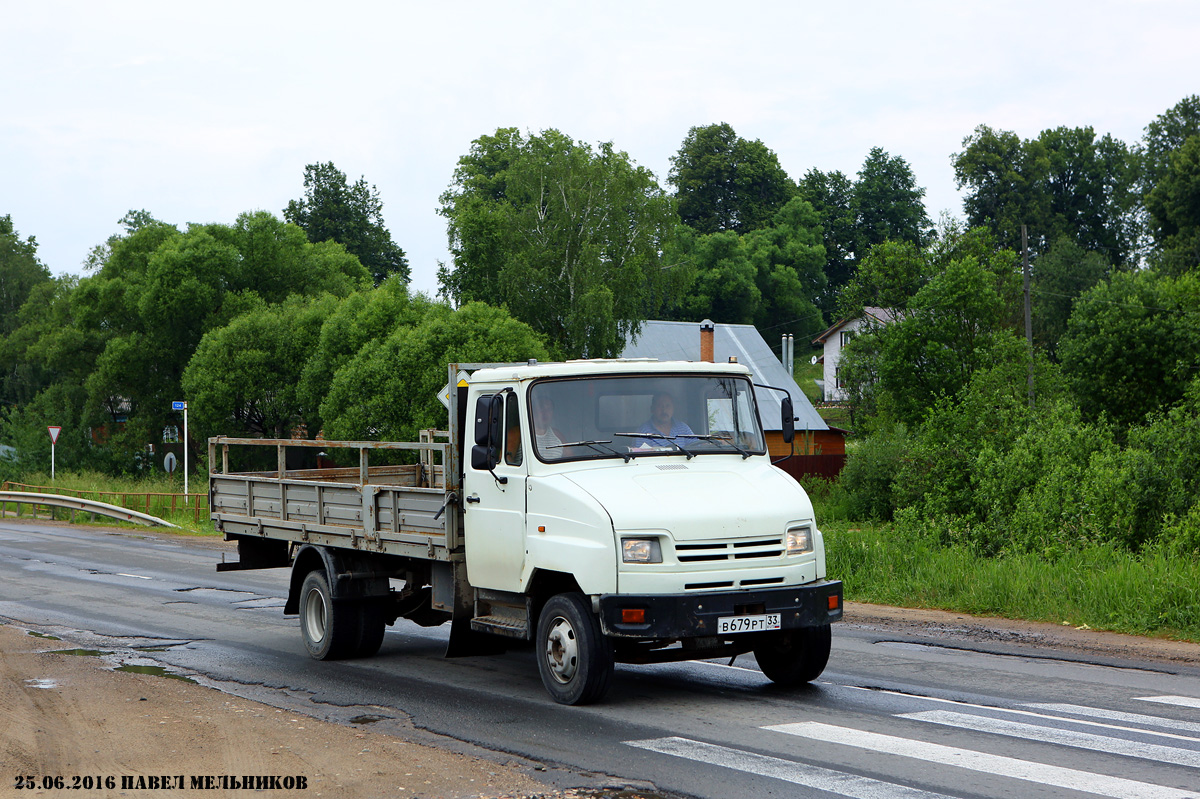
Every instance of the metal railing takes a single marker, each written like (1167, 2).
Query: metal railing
(74, 504)
(141, 501)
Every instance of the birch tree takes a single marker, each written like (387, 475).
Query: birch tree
(568, 237)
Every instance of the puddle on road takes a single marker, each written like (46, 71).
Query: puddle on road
(92, 653)
(368, 719)
(156, 671)
(36, 634)
(42, 683)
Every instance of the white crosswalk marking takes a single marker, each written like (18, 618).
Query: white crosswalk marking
(1040, 773)
(1051, 735)
(1181, 701)
(1116, 715)
(822, 779)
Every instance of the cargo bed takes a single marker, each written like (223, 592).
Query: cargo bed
(397, 510)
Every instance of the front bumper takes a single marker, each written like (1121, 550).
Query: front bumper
(694, 615)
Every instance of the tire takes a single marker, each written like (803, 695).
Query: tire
(794, 657)
(331, 631)
(574, 658)
(371, 625)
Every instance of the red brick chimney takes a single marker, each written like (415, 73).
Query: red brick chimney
(706, 340)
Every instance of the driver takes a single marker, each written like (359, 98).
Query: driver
(662, 422)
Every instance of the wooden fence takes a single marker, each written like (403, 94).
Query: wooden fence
(824, 466)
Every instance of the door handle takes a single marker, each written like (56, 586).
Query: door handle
(472, 498)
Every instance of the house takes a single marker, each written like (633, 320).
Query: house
(707, 341)
(835, 338)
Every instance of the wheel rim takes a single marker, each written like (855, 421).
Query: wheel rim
(315, 615)
(562, 650)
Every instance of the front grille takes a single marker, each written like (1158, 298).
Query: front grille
(764, 581)
(738, 549)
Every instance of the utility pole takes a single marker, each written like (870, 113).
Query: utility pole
(1028, 311)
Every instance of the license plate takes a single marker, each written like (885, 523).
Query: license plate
(748, 624)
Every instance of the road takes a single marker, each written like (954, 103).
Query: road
(895, 716)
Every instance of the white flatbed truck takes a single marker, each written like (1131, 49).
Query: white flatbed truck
(562, 508)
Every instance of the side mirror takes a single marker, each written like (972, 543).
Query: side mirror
(788, 419)
(488, 416)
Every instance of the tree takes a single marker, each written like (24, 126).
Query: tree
(767, 277)
(1133, 344)
(887, 203)
(567, 237)
(1174, 207)
(20, 271)
(1058, 278)
(331, 209)
(831, 195)
(389, 389)
(1166, 134)
(362, 318)
(954, 315)
(244, 376)
(22, 276)
(160, 290)
(725, 182)
(1065, 183)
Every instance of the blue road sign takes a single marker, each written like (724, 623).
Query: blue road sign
(178, 406)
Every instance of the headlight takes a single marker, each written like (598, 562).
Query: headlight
(641, 550)
(799, 540)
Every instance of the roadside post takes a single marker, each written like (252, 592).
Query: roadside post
(54, 431)
(179, 405)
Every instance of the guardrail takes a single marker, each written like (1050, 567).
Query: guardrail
(144, 501)
(74, 504)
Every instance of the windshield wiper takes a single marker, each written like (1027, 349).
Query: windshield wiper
(593, 445)
(727, 440)
(660, 437)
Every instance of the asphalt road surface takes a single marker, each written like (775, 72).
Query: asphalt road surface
(895, 716)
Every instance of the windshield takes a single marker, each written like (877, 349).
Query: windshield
(628, 417)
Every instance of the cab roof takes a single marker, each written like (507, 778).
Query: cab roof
(600, 367)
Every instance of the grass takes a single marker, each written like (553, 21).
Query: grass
(804, 375)
(1101, 587)
(154, 484)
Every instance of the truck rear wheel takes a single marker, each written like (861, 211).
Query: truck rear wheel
(574, 658)
(331, 631)
(794, 657)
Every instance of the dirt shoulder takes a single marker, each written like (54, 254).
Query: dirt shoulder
(70, 715)
(963, 630)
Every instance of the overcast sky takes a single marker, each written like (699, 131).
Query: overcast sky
(197, 112)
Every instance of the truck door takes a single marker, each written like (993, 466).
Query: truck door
(495, 509)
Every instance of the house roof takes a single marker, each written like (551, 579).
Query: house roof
(680, 341)
(882, 315)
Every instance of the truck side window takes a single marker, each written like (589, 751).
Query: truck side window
(512, 431)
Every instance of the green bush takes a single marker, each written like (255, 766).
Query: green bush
(869, 477)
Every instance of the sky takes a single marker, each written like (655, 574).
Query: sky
(198, 112)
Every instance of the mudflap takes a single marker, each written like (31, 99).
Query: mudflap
(452, 592)
(465, 642)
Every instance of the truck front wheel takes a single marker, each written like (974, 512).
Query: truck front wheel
(330, 631)
(574, 658)
(794, 657)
